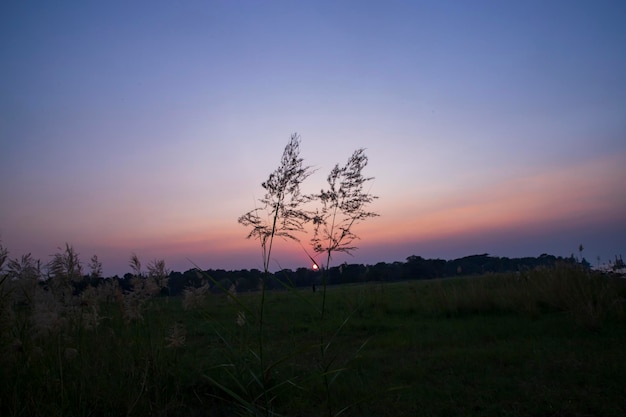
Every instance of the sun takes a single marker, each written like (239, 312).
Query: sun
(315, 267)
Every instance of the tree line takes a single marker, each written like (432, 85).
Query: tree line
(414, 268)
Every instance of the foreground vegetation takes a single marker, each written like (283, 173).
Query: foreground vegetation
(548, 342)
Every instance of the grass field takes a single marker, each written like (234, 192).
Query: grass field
(543, 343)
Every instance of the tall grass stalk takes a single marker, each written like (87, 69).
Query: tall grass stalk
(284, 216)
(343, 205)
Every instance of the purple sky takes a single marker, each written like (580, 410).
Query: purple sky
(148, 127)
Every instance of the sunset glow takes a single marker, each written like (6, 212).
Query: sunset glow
(149, 128)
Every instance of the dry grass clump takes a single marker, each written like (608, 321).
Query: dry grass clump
(37, 306)
(68, 340)
(589, 297)
(195, 297)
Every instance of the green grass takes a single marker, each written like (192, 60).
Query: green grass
(546, 343)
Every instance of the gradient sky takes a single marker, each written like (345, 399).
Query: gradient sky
(148, 126)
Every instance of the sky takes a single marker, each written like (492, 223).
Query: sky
(148, 127)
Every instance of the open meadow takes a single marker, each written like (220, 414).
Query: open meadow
(549, 342)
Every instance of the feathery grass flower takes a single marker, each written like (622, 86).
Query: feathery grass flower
(47, 315)
(70, 353)
(194, 297)
(232, 293)
(177, 336)
(241, 318)
(281, 203)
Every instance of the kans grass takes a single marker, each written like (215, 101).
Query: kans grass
(549, 342)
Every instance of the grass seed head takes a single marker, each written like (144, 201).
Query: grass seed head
(176, 337)
(241, 319)
(194, 298)
(70, 353)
